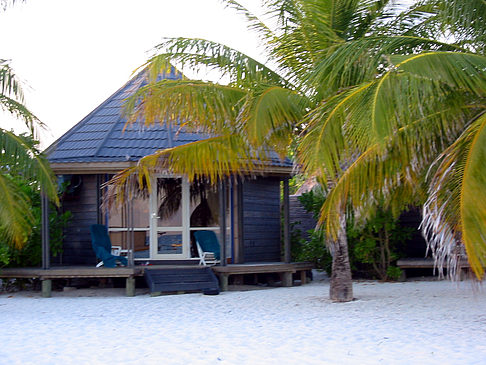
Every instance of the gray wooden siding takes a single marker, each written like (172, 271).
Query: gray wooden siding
(301, 221)
(84, 208)
(261, 220)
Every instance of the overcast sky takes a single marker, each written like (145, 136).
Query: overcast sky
(72, 55)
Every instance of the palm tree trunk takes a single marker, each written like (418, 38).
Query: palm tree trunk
(341, 289)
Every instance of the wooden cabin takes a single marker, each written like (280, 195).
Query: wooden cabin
(246, 213)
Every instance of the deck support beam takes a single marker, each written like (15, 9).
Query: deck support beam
(130, 287)
(223, 282)
(303, 277)
(287, 279)
(46, 288)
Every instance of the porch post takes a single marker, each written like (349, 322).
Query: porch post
(222, 221)
(131, 234)
(45, 231)
(286, 223)
(241, 247)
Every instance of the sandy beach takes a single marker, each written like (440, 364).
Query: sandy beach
(416, 322)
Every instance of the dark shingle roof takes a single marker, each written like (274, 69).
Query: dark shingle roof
(99, 137)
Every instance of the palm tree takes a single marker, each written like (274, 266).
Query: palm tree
(415, 130)
(264, 106)
(19, 156)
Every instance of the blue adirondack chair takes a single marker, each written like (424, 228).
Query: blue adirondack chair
(100, 240)
(207, 247)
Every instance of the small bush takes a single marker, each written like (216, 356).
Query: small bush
(31, 253)
(373, 247)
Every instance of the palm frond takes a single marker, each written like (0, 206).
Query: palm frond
(305, 30)
(194, 53)
(323, 145)
(464, 71)
(212, 159)
(15, 212)
(19, 111)
(199, 105)
(9, 85)
(269, 116)
(358, 60)
(454, 212)
(20, 156)
(465, 21)
(12, 97)
(254, 23)
(393, 173)
(430, 81)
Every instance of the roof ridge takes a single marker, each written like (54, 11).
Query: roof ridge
(133, 81)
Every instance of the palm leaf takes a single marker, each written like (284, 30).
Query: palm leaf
(269, 116)
(12, 97)
(195, 53)
(15, 212)
(358, 60)
(392, 173)
(431, 80)
(20, 156)
(212, 159)
(323, 145)
(454, 211)
(198, 105)
(464, 71)
(254, 23)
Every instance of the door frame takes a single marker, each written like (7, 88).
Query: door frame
(184, 228)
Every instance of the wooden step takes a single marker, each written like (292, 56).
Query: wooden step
(201, 279)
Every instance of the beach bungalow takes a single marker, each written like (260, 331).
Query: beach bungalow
(158, 228)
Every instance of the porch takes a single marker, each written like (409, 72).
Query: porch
(286, 270)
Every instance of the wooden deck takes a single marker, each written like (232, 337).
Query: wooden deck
(223, 272)
(428, 263)
(71, 272)
(285, 269)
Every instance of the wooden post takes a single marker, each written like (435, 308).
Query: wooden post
(46, 288)
(239, 202)
(287, 279)
(222, 217)
(223, 281)
(131, 235)
(130, 287)
(286, 223)
(45, 231)
(303, 277)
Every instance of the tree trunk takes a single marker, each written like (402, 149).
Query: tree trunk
(341, 289)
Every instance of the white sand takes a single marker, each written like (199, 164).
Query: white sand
(421, 322)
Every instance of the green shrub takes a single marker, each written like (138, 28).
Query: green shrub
(378, 244)
(4, 255)
(31, 253)
(393, 272)
(313, 250)
(373, 247)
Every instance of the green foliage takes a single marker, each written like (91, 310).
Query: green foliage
(393, 273)
(378, 244)
(312, 201)
(312, 250)
(4, 255)
(373, 246)
(31, 253)
(295, 183)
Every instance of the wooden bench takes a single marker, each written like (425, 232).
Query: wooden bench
(46, 275)
(427, 263)
(285, 269)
